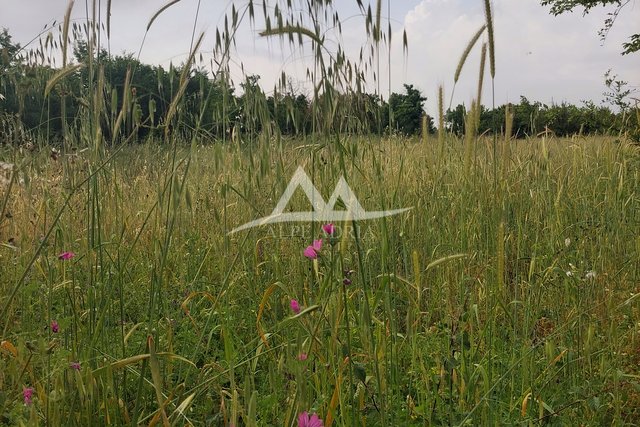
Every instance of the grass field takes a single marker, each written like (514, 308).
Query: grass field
(508, 294)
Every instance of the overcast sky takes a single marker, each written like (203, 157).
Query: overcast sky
(545, 58)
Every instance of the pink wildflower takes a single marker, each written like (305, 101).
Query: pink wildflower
(311, 251)
(329, 229)
(27, 393)
(75, 365)
(64, 256)
(295, 307)
(304, 420)
(303, 356)
(54, 326)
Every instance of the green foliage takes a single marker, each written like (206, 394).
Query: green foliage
(633, 45)
(208, 105)
(406, 111)
(8, 51)
(618, 91)
(532, 118)
(454, 119)
(291, 112)
(518, 298)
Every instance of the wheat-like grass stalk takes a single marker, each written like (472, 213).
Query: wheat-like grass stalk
(98, 106)
(65, 32)
(465, 53)
(441, 129)
(377, 30)
(184, 80)
(483, 56)
(463, 59)
(59, 76)
(126, 90)
(291, 29)
(109, 19)
(159, 12)
(506, 146)
(492, 55)
(470, 130)
(500, 255)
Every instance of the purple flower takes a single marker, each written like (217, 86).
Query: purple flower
(27, 394)
(64, 256)
(295, 307)
(305, 420)
(346, 281)
(75, 365)
(54, 326)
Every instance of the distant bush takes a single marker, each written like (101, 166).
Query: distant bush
(532, 118)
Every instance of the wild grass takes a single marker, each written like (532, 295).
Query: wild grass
(508, 294)
(484, 304)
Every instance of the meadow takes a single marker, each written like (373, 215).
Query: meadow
(508, 294)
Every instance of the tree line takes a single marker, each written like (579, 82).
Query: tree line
(213, 107)
(564, 119)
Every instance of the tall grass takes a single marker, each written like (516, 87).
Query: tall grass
(507, 294)
(449, 315)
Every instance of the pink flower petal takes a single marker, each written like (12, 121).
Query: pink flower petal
(302, 357)
(329, 229)
(295, 307)
(317, 245)
(27, 394)
(303, 419)
(310, 253)
(315, 421)
(64, 256)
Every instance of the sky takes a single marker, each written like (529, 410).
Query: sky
(545, 58)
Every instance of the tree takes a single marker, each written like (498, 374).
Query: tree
(618, 91)
(8, 50)
(406, 110)
(254, 109)
(561, 6)
(619, 94)
(431, 127)
(527, 117)
(454, 120)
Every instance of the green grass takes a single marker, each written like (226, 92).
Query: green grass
(460, 311)
(508, 294)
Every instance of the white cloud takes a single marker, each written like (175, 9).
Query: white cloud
(540, 56)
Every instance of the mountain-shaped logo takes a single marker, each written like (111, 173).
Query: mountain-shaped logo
(321, 211)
